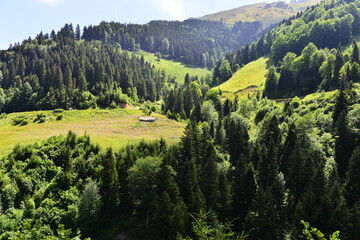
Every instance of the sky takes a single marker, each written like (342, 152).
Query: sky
(20, 19)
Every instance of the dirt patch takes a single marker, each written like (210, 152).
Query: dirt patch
(251, 88)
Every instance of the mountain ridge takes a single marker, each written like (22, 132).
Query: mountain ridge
(267, 13)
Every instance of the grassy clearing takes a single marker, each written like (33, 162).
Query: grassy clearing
(113, 128)
(247, 80)
(173, 68)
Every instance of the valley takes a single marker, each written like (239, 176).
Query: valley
(256, 136)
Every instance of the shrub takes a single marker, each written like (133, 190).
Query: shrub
(56, 111)
(59, 117)
(40, 118)
(20, 120)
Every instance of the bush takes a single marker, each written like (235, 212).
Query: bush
(20, 120)
(56, 111)
(40, 118)
(59, 118)
(3, 116)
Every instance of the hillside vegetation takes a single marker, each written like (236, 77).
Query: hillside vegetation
(267, 164)
(173, 68)
(194, 42)
(266, 13)
(114, 128)
(248, 79)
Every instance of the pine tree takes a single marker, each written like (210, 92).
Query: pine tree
(196, 113)
(341, 101)
(352, 185)
(339, 62)
(82, 82)
(187, 79)
(125, 163)
(224, 190)
(89, 207)
(271, 83)
(109, 185)
(59, 84)
(210, 179)
(238, 140)
(342, 144)
(244, 191)
(170, 211)
(77, 33)
(68, 80)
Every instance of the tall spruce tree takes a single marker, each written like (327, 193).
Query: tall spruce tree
(109, 185)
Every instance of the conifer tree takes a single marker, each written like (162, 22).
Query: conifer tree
(210, 179)
(170, 210)
(342, 144)
(352, 185)
(125, 163)
(339, 61)
(77, 33)
(355, 53)
(89, 207)
(109, 185)
(237, 139)
(224, 190)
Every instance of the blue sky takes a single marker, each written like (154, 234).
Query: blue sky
(20, 19)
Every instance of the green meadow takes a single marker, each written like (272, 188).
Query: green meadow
(246, 80)
(174, 68)
(114, 128)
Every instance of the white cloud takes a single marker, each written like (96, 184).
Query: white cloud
(173, 8)
(49, 2)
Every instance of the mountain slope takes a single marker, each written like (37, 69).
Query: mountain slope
(248, 79)
(307, 51)
(266, 13)
(194, 42)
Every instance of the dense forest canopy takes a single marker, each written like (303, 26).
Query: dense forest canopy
(268, 165)
(61, 72)
(194, 42)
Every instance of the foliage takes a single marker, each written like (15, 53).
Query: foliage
(199, 43)
(310, 232)
(203, 230)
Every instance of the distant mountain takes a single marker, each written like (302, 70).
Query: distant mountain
(267, 13)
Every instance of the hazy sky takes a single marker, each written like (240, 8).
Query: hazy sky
(20, 19)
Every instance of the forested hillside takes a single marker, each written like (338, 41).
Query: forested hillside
(266, 165)
(194, 42)
(57, 71)
(309, 52)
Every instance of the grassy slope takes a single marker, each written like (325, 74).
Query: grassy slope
(266, 13)
(107, 127)
(173, 68)
(247, 79)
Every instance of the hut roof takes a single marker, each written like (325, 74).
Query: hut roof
(147, 119)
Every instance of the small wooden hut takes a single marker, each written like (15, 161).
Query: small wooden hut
(147, 119)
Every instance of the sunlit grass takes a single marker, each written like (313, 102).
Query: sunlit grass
(247, 80)
(113, 128)
(174, 68)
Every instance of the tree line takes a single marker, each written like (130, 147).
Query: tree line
(58, 71)
(193, 42)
